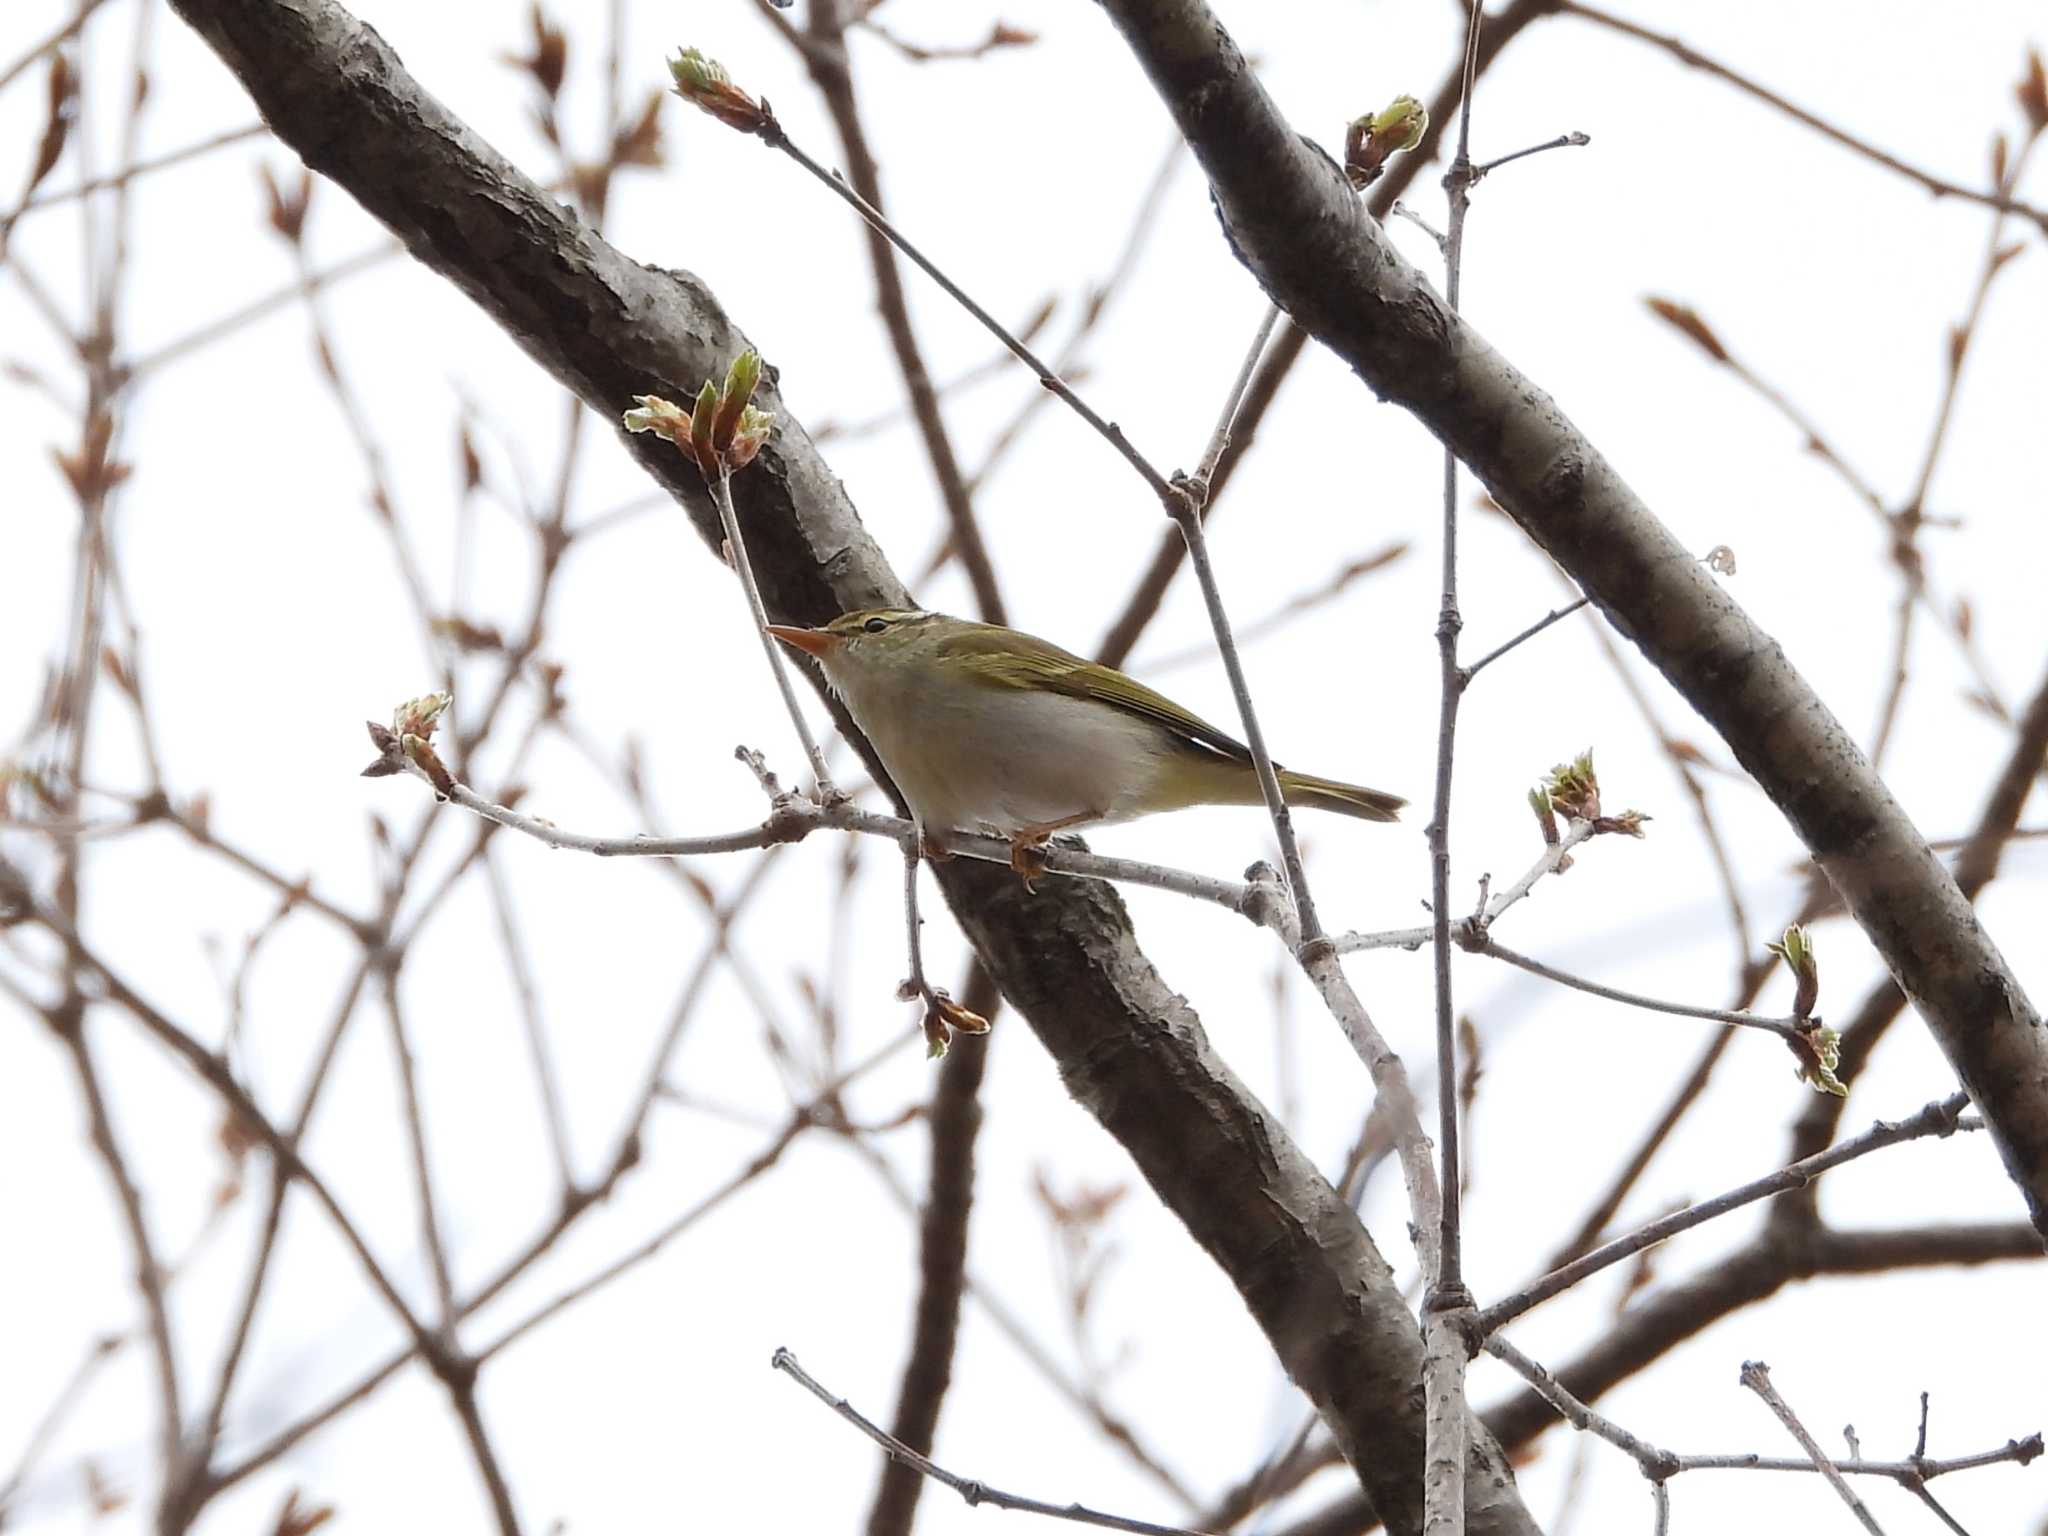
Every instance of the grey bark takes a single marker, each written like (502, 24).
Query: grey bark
(1132, 1051)
(1304, 235)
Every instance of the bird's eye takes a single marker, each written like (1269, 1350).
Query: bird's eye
(875, 626)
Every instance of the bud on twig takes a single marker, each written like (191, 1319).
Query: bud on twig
(740, 378)
(1822, 1048)
(1546, 821)
(1796, 950)
(409, 740)
(1369, 142)
(723, 431)
(1574, 788)
(2033, 94)
(943, 1018)
(1687, 322)
(702, 448)
(1818, 1048)
(703, 83)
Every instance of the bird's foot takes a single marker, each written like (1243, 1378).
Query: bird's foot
(1027, 857)
(1027, 846)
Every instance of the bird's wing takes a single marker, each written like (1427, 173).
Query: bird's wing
(1017, 660)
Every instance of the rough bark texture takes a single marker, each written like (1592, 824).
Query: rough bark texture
(1303, 233)
(1130, 1049)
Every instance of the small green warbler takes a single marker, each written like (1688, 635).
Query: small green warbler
(986, 729)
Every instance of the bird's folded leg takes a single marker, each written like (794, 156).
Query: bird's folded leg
(1027, 845)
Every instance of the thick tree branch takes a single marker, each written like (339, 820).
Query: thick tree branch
(1297, 225)
(1130, 1049)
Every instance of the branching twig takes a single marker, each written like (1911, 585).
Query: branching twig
(1941, 1118)
(1660, 1465)
(1446, 1298)
(1757, 1377)
(1787, 1028)
(1475, 668)
(1469, 930)
(791, 820)
(1178, 496)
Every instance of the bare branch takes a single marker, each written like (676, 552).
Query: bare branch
(1295, 222)
(1941, 1118)
(1757, 1377)
(1788, 1028)
(972, 1491)
(1697, 60)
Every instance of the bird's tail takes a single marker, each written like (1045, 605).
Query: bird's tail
(1345, 799)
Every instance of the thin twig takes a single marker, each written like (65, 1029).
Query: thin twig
(1530, 633)
(1757, 1377)
(1787, 1028)
(941, 1014)
(1219, 439)
(1447, 1299)
(1150, 590)
(2018, 1451)
(646, 1249)
(1186, 517)
(416, 1143)
(996, 365)
(1394, 1096)
(1299, 606)
(213, 330)
(1661, 1465)
(149, 1275)
(721, 494)
(1656, 1464)
(1035, 1352)
(1683, 764)
(1176, 496)
(1692, 57)
(68, 1396)
(791, 820)
(831, 71)
(573, 1208)
(128, 173)
(56, 39)
(1109, 431)
(1572, 140)
(520, 965)
(1468, 930)
(1069, 364)
(1941, 1118)
(973, 1491)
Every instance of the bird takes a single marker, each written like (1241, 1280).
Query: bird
(989, 729)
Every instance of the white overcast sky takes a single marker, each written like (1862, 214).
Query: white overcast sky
(274, 623)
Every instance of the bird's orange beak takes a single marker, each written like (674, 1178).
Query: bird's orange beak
(814, 642)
